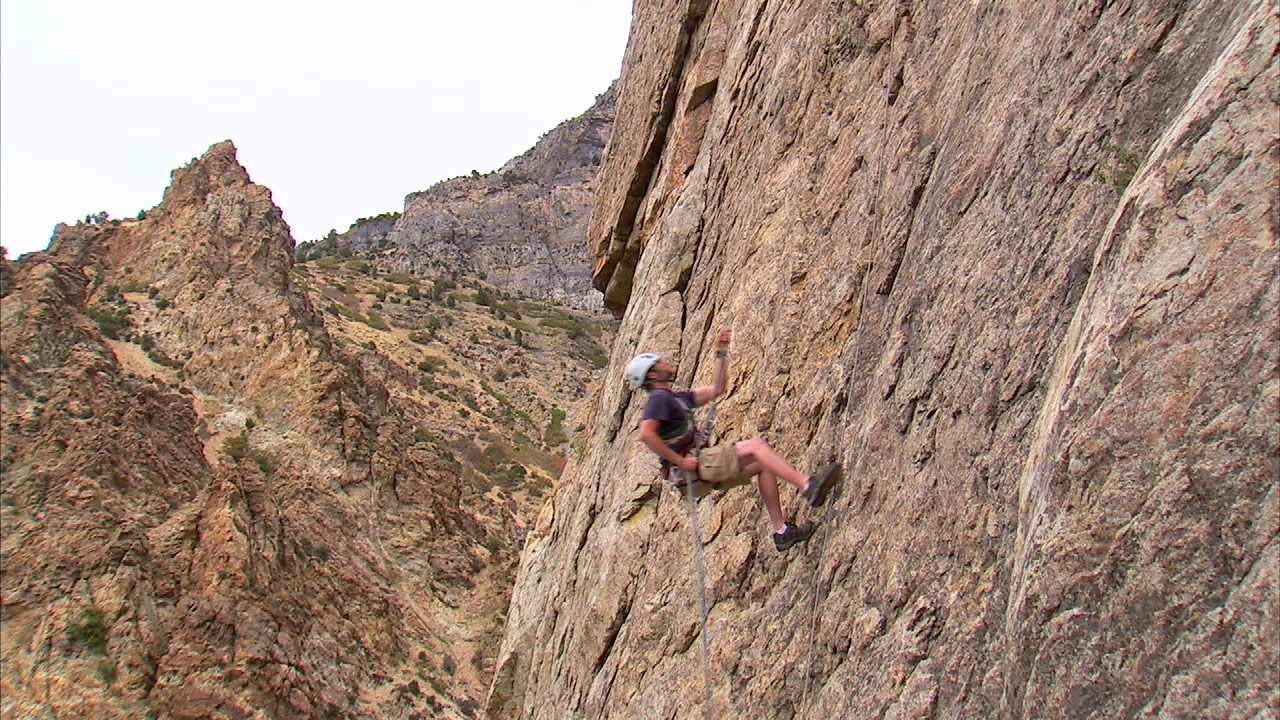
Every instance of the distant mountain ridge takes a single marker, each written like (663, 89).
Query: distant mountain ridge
(522, 227)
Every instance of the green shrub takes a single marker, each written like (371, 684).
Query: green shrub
(91, 632)
(110, 320)
(1117, 165)
(430, 364)
(572, 325)
(555, 429)
(440, 286)
(597, 357)
(494, 456)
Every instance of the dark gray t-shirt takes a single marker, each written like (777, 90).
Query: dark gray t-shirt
(674, 413)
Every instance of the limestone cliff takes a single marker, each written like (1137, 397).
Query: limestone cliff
(522, 226)
(228, 492)
(1014, 265)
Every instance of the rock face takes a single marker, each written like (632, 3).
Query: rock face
(217, 503)
(523, 226)
(1015, 267)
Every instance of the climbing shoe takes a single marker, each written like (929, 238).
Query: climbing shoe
(792, 534)
(820, 483)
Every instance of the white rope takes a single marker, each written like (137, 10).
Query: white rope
(695, 522)
(708, 706)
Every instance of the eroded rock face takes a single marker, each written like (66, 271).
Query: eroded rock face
(1016, 268)
(209, 508)
(522, 226)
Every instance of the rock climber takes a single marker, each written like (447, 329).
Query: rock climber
(667, 427)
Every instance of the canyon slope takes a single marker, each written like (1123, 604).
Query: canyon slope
(1014, 266)
(239, 487)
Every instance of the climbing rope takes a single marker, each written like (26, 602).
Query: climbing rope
(695, 523)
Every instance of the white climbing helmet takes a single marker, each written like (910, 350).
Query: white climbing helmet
(638, 368)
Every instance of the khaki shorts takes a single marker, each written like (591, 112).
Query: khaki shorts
(719, 464)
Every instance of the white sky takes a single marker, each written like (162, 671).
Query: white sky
(340, 108)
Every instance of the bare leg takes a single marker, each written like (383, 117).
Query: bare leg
(757, 451)
(768, 483)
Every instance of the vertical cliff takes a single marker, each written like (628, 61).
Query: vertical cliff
(1015, 266)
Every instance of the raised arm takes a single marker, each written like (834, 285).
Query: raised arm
(706, 393)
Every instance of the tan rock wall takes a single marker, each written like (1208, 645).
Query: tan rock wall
(1015, 266)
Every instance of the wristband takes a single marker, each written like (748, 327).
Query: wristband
(721, 353)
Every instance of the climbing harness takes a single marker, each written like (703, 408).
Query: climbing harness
(695, 521)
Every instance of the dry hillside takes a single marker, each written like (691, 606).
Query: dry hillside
(235, 487)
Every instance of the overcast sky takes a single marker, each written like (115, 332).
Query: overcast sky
(340, 108)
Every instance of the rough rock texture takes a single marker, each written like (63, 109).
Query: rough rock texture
(522, 226)
(218, 502)
(1015, 266)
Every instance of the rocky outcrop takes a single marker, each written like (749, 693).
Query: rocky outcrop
(522, 227)
(211, 507)
(1015, 268)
